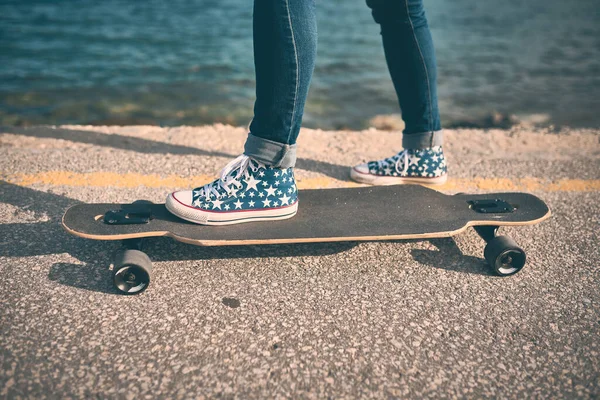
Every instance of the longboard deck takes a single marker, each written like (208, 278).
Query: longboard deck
(349, 214)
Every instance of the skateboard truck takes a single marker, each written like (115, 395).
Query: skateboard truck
(128, 215)
(489, 206)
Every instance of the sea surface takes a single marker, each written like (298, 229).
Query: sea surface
(190, 62)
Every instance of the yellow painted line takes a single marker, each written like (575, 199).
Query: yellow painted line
(131, 180)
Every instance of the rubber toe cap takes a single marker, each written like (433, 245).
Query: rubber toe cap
(184, 197)
(362, 168)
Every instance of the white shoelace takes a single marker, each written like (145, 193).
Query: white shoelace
(402, 158)
(241, 163)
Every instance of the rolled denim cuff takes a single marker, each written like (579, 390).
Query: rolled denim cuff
(268, 152)
(423, 140)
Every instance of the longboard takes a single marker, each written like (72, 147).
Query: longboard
(324, 215)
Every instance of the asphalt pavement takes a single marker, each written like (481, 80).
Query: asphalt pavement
(393, 319)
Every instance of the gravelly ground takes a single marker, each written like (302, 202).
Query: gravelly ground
(372, 320)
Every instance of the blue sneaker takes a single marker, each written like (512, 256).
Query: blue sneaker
(425, 166)
(247, 191)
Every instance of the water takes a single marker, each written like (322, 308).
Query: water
(190, 62)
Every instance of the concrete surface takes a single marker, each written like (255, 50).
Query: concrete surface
(371, 320)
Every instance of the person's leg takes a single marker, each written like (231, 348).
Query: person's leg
(285, 45)
(410, 57)
(260, 185)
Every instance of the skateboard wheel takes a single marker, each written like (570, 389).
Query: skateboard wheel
(504, 256)
(132, 271)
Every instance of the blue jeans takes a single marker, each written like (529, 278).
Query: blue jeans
(285, 44)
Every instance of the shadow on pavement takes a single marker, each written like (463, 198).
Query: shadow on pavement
(449, 257)
(146, 146)
(92, 272)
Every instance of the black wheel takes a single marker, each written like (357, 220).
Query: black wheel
(504, 256)
(132, 271)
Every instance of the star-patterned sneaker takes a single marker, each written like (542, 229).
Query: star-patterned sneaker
(247, 191)
(409, 166)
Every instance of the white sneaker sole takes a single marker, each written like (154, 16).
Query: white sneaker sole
(208, 217)
(394, 180)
